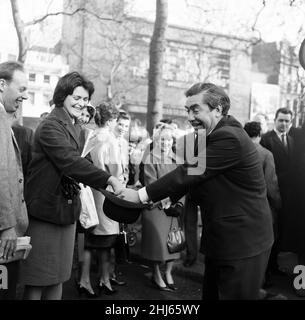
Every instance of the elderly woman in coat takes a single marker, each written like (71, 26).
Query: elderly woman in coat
(155, 223)
(52, 190)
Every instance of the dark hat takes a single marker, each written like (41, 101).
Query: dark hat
(121, 210)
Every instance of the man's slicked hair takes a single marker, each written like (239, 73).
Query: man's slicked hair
(214, 96)
(8, 68)
(284, 111)
(66, 86)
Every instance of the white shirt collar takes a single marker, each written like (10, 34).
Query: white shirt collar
(279, 134)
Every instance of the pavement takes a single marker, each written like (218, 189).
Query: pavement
(188, 279)
(282, 284)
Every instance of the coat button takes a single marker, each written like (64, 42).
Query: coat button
(22, 200)
(20, 180)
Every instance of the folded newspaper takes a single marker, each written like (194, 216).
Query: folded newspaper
(22, 250)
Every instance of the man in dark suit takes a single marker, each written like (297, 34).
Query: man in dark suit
(237, 234)
(281, 144)
(254, 130)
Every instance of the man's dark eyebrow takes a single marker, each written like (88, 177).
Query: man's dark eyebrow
(193, 106)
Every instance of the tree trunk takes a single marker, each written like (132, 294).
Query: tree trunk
(19, 25)
(156, 52)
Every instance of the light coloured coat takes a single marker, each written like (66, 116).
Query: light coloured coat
(13, 212)
(108, 156)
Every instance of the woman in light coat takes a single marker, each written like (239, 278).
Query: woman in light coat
(106, 156)
(155, 223)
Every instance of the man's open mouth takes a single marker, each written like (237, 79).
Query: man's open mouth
(196, 123)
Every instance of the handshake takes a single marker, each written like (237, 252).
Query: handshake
(122, 192)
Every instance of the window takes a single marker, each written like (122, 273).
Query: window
(32, 77)
(46, 78)
(31, 97)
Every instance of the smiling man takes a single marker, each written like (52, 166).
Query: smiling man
(237, 233)
(13, 213)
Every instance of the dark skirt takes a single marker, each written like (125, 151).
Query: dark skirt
(50, 260)
(93, 241)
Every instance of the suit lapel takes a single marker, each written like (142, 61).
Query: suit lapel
(63, 117)
(17, 150)
(277, 140)
(290, 143)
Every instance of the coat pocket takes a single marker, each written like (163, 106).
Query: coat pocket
(55, 208)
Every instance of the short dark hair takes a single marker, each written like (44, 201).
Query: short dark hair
(67, 84)
(253, 129)
(8, 68)
(283, 110)
(123, 115)
(103, 112)
(214, 96)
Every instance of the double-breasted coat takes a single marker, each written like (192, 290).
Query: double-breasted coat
(56, 156)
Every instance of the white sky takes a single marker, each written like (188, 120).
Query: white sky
(276, 22)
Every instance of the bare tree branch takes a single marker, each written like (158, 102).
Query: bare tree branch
(19, 25)
(84, 10)
(253, 28)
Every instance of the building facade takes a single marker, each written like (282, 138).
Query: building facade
(114, 53)
(277, 66)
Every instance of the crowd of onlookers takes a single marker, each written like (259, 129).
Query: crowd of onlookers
(39, 187)
(48, 164)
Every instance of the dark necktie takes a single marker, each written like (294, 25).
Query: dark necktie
(284, 140)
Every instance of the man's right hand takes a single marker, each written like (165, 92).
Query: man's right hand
(8, 243)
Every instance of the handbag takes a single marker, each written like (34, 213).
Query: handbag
(121, 246)
(175, 210)
(175, 238)
(88, 217)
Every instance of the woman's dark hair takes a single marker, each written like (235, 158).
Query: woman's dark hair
(66, 86)
(105, 111)
(253, 129)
